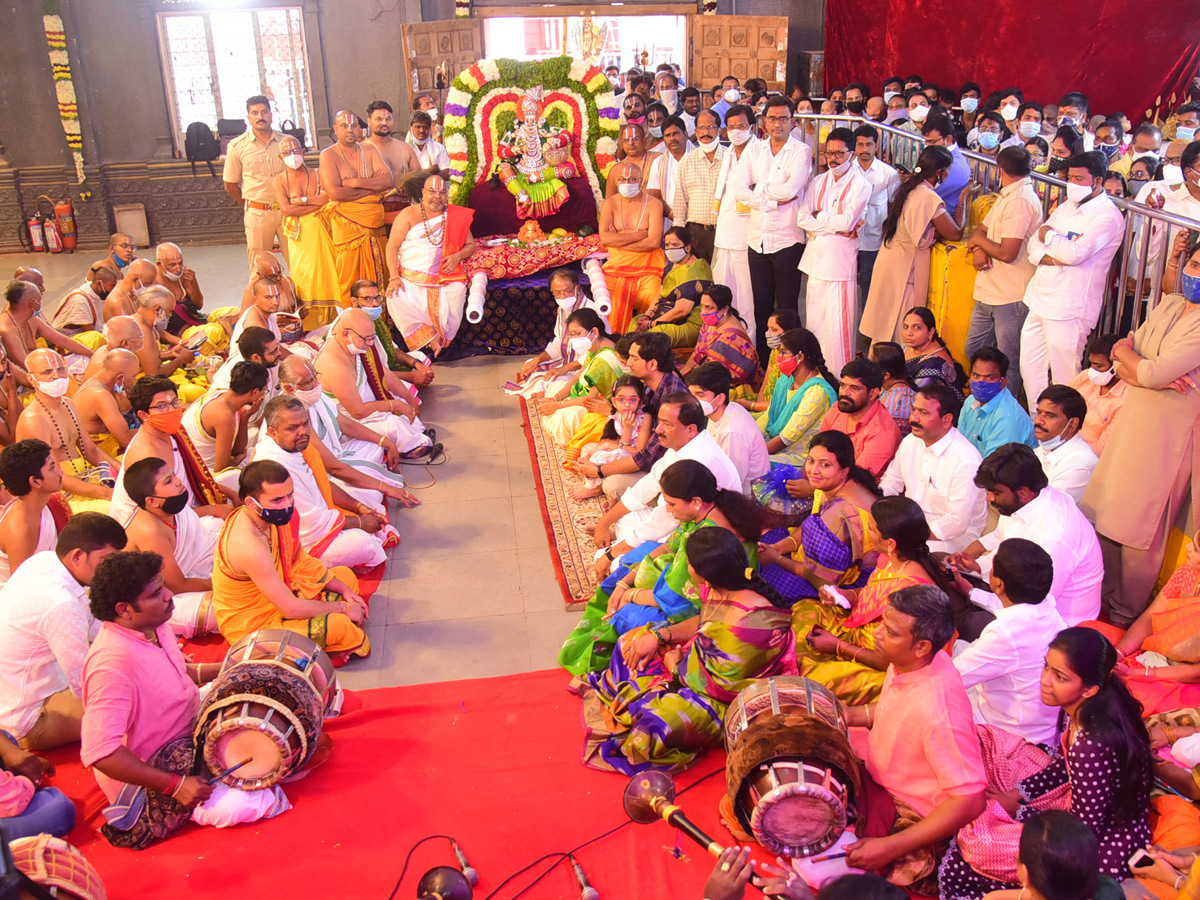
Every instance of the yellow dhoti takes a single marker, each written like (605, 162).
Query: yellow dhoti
(82, 469)
(217, 327)
(108, 444)
(357, 236)
(314, 270)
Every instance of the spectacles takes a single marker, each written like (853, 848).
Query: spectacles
(837, 154)
(777, 119)
(125, 246)
(371, 300)
(361, 337)
(166, 406)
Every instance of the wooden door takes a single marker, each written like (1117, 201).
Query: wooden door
(436, 52)
(741, 46)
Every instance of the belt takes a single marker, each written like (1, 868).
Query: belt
(254, 204)
(701, 225)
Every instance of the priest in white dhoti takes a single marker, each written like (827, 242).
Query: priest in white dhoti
(365, 455)
(426, 248)
(830, 213)
(555, 367)
(352, 372)
(731, 263)
(336, 538)
(165, 524)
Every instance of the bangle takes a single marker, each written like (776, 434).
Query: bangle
(608, 554)
(1177, 882)
(870, 716)
(1170, 733)
(600, 470)
(384, 438)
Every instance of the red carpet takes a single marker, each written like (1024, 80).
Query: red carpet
(493, 762)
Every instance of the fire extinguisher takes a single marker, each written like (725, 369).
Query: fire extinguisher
(53, 237)
(64, 216)
(37, 233)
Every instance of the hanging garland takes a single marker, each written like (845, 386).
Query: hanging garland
(64, 88)
(483, 104)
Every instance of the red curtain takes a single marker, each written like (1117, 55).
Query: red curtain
(1127, 55)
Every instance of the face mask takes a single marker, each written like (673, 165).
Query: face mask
(888, 95)
(1100, 377)
(843, 168)
(293, 160)
(421, 142)
(55, 388)
(668, 98)
(614, 80)
(655, 131)
(855, 106)
(774, 341)
(739, 136)
(566, 304)
(173, 506)
(989, 140)
(1077, 193)
(1172, 174)
(919, 114)
(788, 365)
(1183, 133)
(1009, 113)
(172, 276)
(1109, 150)
(118, 388)
(893, 115)
(732, 96)
(161, 322)
(969, 104)
(1189, 286)
(676, 254)
(1056, 164)
(985, 391)
(276, 517)
(120, 262)
(309, 397)
(706, 407)
(432, 114)
(373, 311)
(1143, 154)
(1029, 129)
(166, 422)
(710, 146)
(637, 119)
(710, 319)
(1067, 121)
(629, 191)
(135, 290)
(580, 345)
(1053, 444)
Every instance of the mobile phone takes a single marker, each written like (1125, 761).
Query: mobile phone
(1141, 860)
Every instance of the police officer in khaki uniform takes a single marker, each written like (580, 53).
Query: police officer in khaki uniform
(251, 161)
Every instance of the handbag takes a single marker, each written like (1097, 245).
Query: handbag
(298, 133)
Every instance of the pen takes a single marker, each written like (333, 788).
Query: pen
(828, 856)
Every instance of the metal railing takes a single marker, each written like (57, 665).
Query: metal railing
(1138, 268)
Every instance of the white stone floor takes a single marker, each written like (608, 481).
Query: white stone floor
(470, 591)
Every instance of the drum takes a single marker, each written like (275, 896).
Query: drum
(57, 866)
(793, 779)
(267, 705)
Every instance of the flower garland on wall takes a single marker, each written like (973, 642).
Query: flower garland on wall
(483, 103)
(64, 87)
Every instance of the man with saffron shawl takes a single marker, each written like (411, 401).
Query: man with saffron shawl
(631, 230)
(426, 248)
(263, 578)
(354, 176)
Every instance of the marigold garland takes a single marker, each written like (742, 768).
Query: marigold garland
(482, 104)
(64, 89)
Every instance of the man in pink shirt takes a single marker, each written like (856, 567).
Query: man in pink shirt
(922, 746)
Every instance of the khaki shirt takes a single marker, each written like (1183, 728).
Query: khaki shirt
(253, 164)
(1017, 213)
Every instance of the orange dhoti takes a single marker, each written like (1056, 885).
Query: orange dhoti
(358, 237)
(634, 283)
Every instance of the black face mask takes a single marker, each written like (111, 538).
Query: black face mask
(1057, 164)
(103, 295)
(855, 106)
(173, 506)
(276, 517)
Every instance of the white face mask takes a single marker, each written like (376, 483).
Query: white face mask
(707, 407)
(1030, 129)
(293, 160)
(629, 191)
(1008, 112)
(893, 115)
(161, 322)
(1144, 154)
(1183, 133)
(1077, 193)
(308, 398)
(843, 168)
(676, 254)
(969, 104)
(710, 146)
(668, 98)
(1100, 377)
(172, 276)
(655, 131)
(432, 114)
(738, 136)
(1053, 444)
(919, 114)
(580, 345)
(888, 95)
(55, 388)
(1172, 174)
(354, 348)
(732, 95)
(566, 304)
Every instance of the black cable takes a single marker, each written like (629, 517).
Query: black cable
(408, 859)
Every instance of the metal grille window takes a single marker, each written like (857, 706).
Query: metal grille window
(214, 61)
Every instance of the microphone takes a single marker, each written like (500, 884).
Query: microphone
(586, 891)
(470, 874)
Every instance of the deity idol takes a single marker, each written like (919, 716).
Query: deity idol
(542, 156)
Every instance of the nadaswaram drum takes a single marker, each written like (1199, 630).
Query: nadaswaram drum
(793, 779)
(267, 706)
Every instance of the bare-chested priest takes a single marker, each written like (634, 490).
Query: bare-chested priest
(98, 400)
(399, 155)
(631, 229)
(52, 418)
(122, 300)
(268, 266)
(120, 333)
(181, 281)
(21, 327)
(355, 177)
(27, 525)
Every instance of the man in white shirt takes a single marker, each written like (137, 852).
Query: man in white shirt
(632, 520)
(1029, 508)
(44, 623)
(420, 137)
(771, 181)
(664, 170)
(884, 181)
(1002, 668)
(1066, 458)
(935, 466)
(1181, 198)
(1072, 253)
(1003, 269)
(832, 209)
(731, 426)
(731, 262)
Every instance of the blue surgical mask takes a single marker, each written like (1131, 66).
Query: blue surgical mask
(118, 388)
(1189, 286)
(1183, 133)
(120, 262)
(989, 140)
(986, 391)
(373, 311)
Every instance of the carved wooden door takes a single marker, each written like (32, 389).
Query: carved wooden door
(436, 52)
(742, 46)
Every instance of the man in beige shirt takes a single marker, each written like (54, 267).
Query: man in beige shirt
(251, 162)
(1002, 263)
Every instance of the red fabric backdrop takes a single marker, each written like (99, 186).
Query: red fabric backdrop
(1127, 55)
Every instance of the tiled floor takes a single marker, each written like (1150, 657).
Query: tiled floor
(470, 591)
